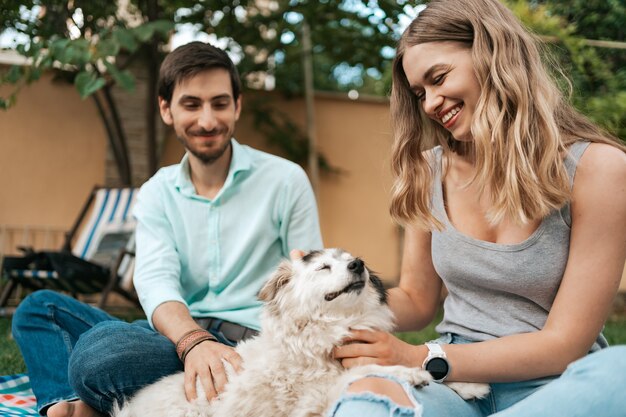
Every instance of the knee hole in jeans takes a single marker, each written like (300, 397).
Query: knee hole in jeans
(382, 386)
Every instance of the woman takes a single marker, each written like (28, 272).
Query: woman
(520, 210)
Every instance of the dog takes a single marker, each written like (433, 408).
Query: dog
(310, 307)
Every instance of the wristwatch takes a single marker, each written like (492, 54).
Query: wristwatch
(436, 362)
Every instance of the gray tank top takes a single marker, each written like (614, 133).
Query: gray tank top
(496, 290)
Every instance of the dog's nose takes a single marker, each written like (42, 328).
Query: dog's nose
(356, 266)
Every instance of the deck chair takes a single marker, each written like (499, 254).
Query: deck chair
(97, 256)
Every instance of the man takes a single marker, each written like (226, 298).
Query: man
(210, 231)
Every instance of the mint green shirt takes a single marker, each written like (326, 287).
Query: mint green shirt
(215, 255)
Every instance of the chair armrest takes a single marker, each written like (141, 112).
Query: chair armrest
(26, 250)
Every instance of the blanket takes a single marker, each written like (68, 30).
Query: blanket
(16, 397)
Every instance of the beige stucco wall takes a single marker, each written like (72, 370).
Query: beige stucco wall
(52, 150)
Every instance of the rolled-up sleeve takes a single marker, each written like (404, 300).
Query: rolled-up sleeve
(157, 268)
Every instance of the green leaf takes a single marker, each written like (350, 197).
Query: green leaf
(87, 83)
(57, 48)
(123, 78)
(7, 103)
(125, 39)
(72, 52)
(14, 74)
(146, 31)
(163, 27)
(34, 74)
(108, 47)
(126, 80)
(46, 62)
(78, 52)
(35, 49)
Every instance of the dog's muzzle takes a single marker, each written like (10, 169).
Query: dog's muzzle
(357, 267)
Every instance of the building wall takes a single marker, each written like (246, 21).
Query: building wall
(53, 150)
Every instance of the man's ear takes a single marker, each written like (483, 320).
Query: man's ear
(238, 104)
(166, 112)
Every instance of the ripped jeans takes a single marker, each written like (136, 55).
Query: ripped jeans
(591, 386)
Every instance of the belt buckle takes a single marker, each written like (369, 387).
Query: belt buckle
(204, 322)
(232, 331)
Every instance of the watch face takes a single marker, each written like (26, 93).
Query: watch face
(438, 368)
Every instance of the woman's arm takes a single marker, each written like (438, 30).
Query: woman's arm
(416, 299)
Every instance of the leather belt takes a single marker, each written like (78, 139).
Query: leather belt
(231, 331)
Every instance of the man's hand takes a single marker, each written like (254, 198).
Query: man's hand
(296, 254)
(206, 361)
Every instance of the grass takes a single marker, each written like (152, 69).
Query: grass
(11, 361)
(614, 331)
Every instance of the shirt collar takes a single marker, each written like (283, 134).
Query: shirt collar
(240, 161)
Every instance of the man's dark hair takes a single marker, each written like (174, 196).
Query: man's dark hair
(191, 59)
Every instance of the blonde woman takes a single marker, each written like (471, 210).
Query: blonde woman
(519, 209)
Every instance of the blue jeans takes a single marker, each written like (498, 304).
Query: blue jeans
(591, 386)
(73, 351)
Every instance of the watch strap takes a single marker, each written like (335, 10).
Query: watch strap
(435, 349)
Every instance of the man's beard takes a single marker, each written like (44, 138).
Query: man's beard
(206, 157)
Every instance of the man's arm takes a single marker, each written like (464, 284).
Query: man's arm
(157, 264)
(157, 281)
(204, 361)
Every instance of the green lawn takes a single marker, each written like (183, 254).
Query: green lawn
(11, 362)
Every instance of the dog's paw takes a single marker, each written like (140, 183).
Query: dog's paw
(415, 376)
(469, 390)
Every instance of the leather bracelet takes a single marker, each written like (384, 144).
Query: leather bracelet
(190, 340)
(195, 343)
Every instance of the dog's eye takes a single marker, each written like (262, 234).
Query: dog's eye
(321, 268)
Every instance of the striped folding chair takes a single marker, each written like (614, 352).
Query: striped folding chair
(97, 257)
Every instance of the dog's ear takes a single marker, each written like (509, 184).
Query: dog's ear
(379, 287)
(283, 274)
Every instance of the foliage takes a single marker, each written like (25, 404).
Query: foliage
(598, 74)
(345, 34)
(82, 38)
(352, 40)
(91, 41)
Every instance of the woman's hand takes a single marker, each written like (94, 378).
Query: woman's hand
(381, 348)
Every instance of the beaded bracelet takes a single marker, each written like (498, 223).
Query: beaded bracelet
(190, 340)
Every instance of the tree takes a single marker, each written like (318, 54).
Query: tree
(345, 33)
(598, 74)
(91, 43)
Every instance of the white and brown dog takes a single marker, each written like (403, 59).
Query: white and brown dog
(310, 307)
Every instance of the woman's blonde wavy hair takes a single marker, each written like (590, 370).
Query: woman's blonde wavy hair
(521, 129)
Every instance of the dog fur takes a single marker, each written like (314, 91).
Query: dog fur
(310, 306)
